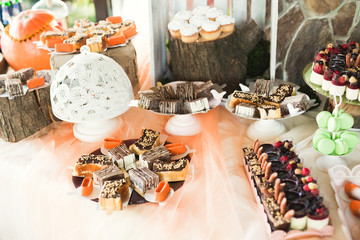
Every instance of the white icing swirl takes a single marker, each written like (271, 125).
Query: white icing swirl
(210, 26)
(224, 20)
(200, 10)
(188, 30)
(214, 13)
(198, 20)
(175, 25)
(183, 15)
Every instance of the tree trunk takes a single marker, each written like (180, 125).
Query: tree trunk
(22, 116)
(222, 61)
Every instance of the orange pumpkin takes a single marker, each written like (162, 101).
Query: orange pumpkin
(17, 40)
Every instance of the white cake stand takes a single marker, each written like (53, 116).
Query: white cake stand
(186, 124)
(265, 129)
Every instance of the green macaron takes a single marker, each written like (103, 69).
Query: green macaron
(326, 146)
(323, 131)
(322, 119)
(351, 138)
(341, 147)
(318, 136)
(346, 121)
(333, 124)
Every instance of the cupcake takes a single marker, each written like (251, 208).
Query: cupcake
(213, 13)
(201, 10)
(298, 221)
(326, 82)
(174, 28)
(189, 33)
(317, 73)
(210, 31)
(227, 23)
(198, 20)
(352, 90)
(182, 16)
(338, 85)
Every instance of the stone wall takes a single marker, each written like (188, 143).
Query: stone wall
(305, 26)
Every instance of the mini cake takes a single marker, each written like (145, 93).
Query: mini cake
(70, 32)
(82, 31)
(200, 10)
(227, 23)
(122, 156)
(352, 90)
(241, 97)
(46, 74)
(158, 153)
(210, 30)
(88, 164)
(185, 91)
(182, 16)
(174, 28)
(213, 13)
(149, 101)
(165, 92)
(171, 171)
(247, 110)
(338, 85)
(298, 101)
(326, 83)
(14, 87)
(148, 140)
(197, 105)
(78, 40)
(23, 74)
(189, 33)
(83, 23)
(107, 174)
(143, 180)
(262, 87)
(204, 90)
(48, 35)
(170, 106)
(317, 73)
(285, 90)
(95, 44)
(318, 218)
(198, 20)
(269, 112)
(113, 194)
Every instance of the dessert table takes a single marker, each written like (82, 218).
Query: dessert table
(38, 200)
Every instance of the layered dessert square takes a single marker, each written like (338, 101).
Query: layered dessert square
(143, 180)
(246, 110)
(269, 111)
(14, 87)
(107, 174)
(298, 101)
(149, 101)
(123, 156)
(158, 153)
(148, 140)
(89, 163)
(262, 87)
(113, 194)
(198, 105)
(170, 106)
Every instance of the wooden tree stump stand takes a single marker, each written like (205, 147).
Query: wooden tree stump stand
(223, 60)
(23, 116)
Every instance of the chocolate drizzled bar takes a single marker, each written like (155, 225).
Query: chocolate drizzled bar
(14, 87)
(23, 74)
(165, 92)
(94, 159)
(149, 100)
(170, 106)
(285, 90)
(262, 87)
(158, 153)
(107, 174)
(179, 165)
(143, 179)
(198, 105)
(204, 90)
(122, 156)
(185, 91)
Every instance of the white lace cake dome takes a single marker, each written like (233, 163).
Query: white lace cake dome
(88, 87)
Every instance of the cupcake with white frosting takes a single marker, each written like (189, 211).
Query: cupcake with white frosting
(201, 10)
(198, 20)
(182, 16)
(227, 23)
(213, 13)
(189, 33)
(210, 30)
(174, 28)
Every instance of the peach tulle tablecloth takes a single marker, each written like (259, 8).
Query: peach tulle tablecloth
(37, 200)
